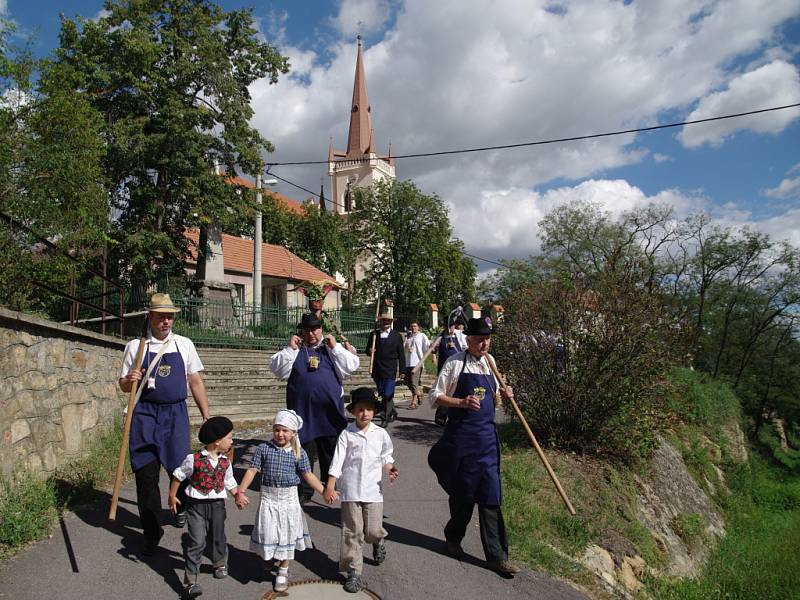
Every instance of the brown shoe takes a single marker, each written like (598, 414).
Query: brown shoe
(504, 567)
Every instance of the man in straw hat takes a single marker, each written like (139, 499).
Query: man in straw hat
(466, 459)
(389, 360)
(315, 366)
(160, 422)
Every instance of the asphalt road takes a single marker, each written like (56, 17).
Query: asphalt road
(89, 557)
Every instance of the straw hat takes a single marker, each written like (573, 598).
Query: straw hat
(162, 303)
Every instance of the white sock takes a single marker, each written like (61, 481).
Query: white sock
(283, 571)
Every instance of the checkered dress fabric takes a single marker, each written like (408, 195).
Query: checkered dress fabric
(278, 467)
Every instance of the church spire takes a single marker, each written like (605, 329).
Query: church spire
(359, 138)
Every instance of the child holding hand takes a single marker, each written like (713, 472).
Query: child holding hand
(363, 453)
(210, 474)
(280, 526)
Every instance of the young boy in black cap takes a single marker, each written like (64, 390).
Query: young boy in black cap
(210, 477)
(363, 453)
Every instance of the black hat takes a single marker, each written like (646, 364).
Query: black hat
(363, 394)
(482, 326)
(309, 321)
(214, 429)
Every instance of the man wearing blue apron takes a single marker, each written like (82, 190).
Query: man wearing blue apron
(160, 424)
(466, 460)
(315, 366)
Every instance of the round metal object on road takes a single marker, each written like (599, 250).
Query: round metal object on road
(320, 590)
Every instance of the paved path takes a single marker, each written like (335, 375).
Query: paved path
(88, 557)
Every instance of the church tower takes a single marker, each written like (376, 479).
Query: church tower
(359, 165)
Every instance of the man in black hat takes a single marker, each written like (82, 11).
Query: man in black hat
(466, 459)
(389, 360)
(315, 366)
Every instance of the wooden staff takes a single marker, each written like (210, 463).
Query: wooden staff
(126, 429)
(532, 438)
(434, 344)
(375, 337)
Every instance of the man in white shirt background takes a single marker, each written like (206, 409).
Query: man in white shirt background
(416, 345)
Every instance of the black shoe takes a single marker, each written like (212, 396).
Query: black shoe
(379, 552)
(353, 582)
(392, 417)
(180, 520)
(150, 546)
(454, 549)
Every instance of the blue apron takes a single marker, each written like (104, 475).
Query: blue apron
(316, 394)
(466, 460)
(445, 351)
(160, 425)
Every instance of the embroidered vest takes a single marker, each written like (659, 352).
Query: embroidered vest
(205, 477)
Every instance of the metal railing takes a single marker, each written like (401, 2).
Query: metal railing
(221, 323)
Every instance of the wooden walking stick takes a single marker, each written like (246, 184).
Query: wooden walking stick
(434, 344)
(532, 438)
(375, 336)
(126, 429)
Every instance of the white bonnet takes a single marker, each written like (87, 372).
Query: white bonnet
(289, 419)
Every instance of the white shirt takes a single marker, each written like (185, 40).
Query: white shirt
(191, 360)
(451, 371)
(358, 463)
(416, 346)
(187, 468)
(345, 362)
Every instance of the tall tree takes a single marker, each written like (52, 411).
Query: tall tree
(171, 78)
(407, 239)
(50, 176)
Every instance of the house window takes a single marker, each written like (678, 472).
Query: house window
(275, 297)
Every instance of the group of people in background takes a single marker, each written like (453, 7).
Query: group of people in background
(354, 457)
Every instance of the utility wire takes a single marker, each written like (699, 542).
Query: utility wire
(317, 196)
(550, 141)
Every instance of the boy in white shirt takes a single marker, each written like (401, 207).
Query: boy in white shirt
(363, 453)
(416, 345)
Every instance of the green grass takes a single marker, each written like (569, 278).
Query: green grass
(758, 557)
(30, 506)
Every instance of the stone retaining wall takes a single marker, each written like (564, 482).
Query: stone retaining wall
(58, 388)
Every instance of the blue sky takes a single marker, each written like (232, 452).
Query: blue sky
(451, 74)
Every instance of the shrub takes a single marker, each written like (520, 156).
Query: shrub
(589, 366)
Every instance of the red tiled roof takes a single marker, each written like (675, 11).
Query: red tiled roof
(276, 261)
(288, 203)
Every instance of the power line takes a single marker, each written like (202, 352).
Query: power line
(317, 196)
(550, 141)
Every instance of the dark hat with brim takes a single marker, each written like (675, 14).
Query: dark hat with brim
(214, 429)
(309, 321)
(363, 394)
(481, 326)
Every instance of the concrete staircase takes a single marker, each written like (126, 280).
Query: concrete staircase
(241, 386)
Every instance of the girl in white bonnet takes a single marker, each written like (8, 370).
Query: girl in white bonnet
(280, 526)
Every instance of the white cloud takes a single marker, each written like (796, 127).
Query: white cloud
(361, 16)
(3, 7)
(788, 188)
(661, 158)
(451, 74)
(774, 84)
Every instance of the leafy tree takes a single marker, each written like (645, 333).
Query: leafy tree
(50, 177)
(170, 78)
(406, 237)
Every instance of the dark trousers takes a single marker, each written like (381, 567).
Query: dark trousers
(492, 527)
(386, 389)
(203, 518)
(148, 499)
(322, 449)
